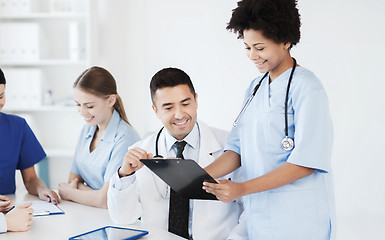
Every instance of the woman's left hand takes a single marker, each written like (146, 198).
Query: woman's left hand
(65, 189)
(224, 190)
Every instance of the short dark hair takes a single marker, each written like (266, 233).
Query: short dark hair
(278, 20)
(2, 77)
(169, 77)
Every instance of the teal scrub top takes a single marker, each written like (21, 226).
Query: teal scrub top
(303, 209)
(98, 166)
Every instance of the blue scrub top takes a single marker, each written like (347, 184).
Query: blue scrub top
(303, 209)
(98, 166)
(19, 149)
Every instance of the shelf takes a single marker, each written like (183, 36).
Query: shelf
(54, 62)
(59, 152)
(44, 16)
(41, 109)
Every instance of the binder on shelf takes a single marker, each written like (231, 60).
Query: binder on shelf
(24, 6)
(15, 6)
(30, 43)
(24, 87)
(20, 42)
(73, 35)
(3, 41)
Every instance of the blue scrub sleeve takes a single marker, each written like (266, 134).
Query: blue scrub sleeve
(233, 142)
(31, 152)
(118, 152)
(313, 131)
(74, 167)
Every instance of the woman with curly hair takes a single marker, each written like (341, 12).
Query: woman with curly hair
(283, 135)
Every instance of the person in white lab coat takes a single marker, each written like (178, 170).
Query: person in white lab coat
(135, 191)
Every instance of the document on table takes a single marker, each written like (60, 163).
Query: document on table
(43, 208)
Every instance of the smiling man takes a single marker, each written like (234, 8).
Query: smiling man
(136, 192)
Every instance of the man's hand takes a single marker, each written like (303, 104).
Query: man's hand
(131, 161)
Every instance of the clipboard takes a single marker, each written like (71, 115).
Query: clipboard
(184, 176)
(111, 233)
(43, 208)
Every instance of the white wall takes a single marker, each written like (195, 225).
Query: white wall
(342, 42)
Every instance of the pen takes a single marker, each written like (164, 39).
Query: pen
(44, 213)
(10, 209)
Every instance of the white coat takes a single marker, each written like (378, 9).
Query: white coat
(148, 196)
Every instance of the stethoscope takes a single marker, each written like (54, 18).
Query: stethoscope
(165, 193)
(287, 143)
(156, 145)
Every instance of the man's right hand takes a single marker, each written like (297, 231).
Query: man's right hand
(131, 161)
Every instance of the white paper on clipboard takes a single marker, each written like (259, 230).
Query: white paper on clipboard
(43, 208)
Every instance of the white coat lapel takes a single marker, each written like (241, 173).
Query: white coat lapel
(209, 145)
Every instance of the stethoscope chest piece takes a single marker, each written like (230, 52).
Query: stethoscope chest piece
(287, 144)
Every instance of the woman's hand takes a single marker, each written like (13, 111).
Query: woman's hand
(20, 218)
(224, 190)
(65, 189)
(48, 195)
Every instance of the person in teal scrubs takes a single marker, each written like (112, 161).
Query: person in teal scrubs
(103, 141)
(287, 186)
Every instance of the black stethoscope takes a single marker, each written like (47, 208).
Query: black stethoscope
(156, 145)
(287, 143)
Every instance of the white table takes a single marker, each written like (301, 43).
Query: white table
(77, 219)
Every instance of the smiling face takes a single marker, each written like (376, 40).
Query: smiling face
(267, 55)
(2, 96)
(95, 110)
(177, 108)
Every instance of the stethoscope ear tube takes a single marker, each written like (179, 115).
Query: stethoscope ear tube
(156, 145)
(248, 101)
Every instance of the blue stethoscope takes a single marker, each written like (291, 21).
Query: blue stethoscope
(287, 143)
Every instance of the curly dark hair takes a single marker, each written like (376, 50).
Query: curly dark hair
(279, 20)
